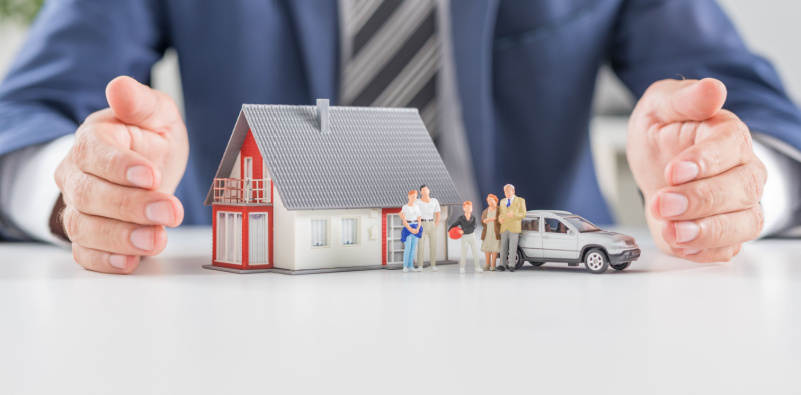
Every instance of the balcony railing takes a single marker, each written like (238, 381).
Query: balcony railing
(237, 191)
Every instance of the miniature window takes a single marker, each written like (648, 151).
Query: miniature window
(553, 225)
(350, 231)
(532, 225)
(229, 237)
(319, 232)
(259, 242)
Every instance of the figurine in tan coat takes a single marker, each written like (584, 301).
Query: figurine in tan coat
(491, 241)
(512, 211)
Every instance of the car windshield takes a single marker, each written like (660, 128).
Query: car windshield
(582, 224)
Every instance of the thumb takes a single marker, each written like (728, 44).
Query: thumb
(140, 105)
(690, 100)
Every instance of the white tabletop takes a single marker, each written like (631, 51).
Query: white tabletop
(663, 326)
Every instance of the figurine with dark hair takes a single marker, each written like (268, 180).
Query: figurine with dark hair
(491, 235)
(512, 212)
(410, 215)
(467, 224)
(430, 210)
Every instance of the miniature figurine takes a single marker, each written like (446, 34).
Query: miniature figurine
(429, 207)
(410, 215)
(559, 236)
(512, 212)
(491, 240)
(287, 197)
(467, 223)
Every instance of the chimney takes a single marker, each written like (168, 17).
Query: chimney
(323, 118)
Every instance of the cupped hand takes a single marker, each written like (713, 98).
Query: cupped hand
(119, 178)
(695, 165)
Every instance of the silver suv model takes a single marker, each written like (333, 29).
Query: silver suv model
(559, 236)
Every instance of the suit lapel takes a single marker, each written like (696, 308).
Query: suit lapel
(317, 28)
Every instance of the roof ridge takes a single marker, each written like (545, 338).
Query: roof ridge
(360, 108)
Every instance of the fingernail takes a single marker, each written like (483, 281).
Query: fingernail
(686, 231)
(140, 176)
(160, 212)
(672, 204)
(688, 251)
(685, 171)
(142, 238)
(118, 261)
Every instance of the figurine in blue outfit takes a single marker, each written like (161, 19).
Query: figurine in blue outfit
(410, 215)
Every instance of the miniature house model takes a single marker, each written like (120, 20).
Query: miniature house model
(307, 189)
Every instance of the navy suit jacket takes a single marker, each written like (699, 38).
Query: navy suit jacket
(526, 72)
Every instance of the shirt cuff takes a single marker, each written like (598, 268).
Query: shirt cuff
(781, 198)
(28, 202)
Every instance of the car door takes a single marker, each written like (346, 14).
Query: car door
(558, 241)
(531, 237)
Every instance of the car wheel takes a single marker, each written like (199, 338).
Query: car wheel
(620, 266)
(537, 263)
(519, 261)
(596, 261)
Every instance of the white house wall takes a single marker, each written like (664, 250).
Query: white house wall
(367, 253)
(292, 248)
(283, 234)
(235, 172)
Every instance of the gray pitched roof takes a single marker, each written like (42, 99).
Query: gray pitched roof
(372, 158)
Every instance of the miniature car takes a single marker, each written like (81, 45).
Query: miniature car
(559, 236)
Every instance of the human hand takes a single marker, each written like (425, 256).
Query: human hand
(415, 231)
(695, 165)
(509, 214)
(119, 178)
(461, 232)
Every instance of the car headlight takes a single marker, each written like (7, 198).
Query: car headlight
(619, 244)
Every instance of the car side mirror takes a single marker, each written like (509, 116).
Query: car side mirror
(570, 232)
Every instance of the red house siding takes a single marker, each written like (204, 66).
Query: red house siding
(384, 213)
(249, 149)
(245, 210)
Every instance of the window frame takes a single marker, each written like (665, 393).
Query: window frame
(358, 231)
(327, 232)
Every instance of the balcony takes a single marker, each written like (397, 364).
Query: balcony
(239, 191)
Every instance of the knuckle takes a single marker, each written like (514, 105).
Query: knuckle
(76, 254)
(81, 191)
(71, 223)
(759, 219)
(753, 185)
(95, 260)
(124, 203)
(81, 149)
(707, 195)
(110, 237)
(745, 143)
(718, 227)
(726, 254)
(114, 160)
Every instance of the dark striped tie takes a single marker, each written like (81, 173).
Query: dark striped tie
(394, 56)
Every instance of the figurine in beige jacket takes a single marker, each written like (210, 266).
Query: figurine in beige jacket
(512, 212)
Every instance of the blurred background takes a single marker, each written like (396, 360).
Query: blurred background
(769, 27)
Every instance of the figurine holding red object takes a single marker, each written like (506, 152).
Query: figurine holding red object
(467, 223)
(430, 210)
(491, 239)
(455, 233)
(410, 215)
(512, 212)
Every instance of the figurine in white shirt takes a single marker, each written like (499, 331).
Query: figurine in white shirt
(429, 210)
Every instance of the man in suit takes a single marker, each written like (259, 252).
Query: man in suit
(511, 214)
(489, 77)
